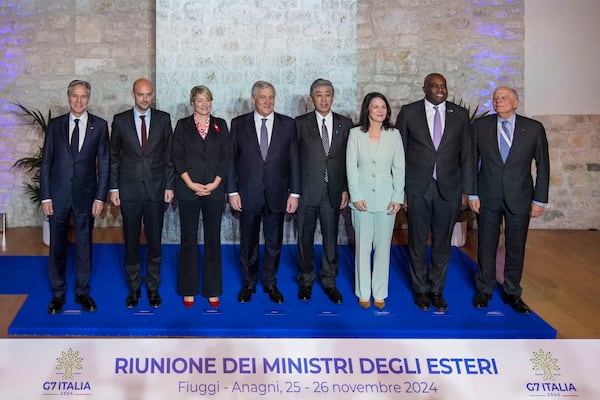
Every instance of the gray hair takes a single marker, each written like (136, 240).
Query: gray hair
(258, 85)
(321, 82)
(79, 82)
(514, 92)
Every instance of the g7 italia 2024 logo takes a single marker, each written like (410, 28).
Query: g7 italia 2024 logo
(546, 367)
(69, 368)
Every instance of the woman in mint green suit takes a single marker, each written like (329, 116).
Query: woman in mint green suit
(375, 168)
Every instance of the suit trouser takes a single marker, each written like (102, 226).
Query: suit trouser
(430, 213)
(152, 215)
(57, 260)
(488, 235)
(249, 240)
(372, 232)
(307, 222)
(189, 274)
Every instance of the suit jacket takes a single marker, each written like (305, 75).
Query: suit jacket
(267, 182)
(75, 182)
(375, 171)
(130, 169)
(454, 156)
(204, 159)
(313, 159)
(512, 182)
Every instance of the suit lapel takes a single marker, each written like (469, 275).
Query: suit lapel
(250, 129)
(425, 125)
(90, 131)
(66, 133)
(336, 137)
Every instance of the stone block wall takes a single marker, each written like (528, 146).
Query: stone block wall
(476, 44)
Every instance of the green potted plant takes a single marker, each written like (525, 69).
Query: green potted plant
(32, 164)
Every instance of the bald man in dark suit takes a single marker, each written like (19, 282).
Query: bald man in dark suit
(438, 143)
(141, 182)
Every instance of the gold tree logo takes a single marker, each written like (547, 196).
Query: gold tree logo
(544, 361)
(69, 361)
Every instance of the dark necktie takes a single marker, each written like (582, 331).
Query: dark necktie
(505, 141)
(75, 139)
(264, 139)
(325, 140)
(143, 132)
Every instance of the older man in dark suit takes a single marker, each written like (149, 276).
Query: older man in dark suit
(74, 182)
(438, 143)
(141, 181)
(506, 145)
(322, 137)
(263, 184)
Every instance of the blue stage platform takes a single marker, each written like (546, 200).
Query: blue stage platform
(317, 318)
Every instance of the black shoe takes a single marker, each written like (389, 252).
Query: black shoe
(56, 305)
(305, 292)
(334, 295)
(516, 303)
(481, 300)
(422, 301)
(133, 298)
(438, 301)
(154, 298)
(86, 302)
(274, 294)
(245, 295)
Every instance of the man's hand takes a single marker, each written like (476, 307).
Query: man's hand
(475, 205)
(292, 205)
(536, 211)
(235, 202)
(115, 198)
(97, 207)
(47, 208)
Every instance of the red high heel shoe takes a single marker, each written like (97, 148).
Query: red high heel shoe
(214, 303)
(188, 303)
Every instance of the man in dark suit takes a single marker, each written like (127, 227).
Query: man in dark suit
(438, 143)
(141, 181)
(322, 138)
(263, 183)
(73, 182)
(506, 145)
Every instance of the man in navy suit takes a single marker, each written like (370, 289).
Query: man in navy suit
(74, 182)
(437, 138)
(141, 181)
(263, 184)
(506, 145)
(322, 137)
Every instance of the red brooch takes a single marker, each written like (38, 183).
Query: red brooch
(216, 127)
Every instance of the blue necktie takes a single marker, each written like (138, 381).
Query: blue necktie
(505, 142)
(264, 139)
(75, 139)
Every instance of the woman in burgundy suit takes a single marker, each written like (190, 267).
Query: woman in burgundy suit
(201, 153)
